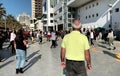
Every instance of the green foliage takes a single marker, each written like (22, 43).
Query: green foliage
(11, 22)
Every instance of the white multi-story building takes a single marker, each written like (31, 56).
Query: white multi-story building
(97, 13)
(59, 14)
(48, 12)
(24, 19)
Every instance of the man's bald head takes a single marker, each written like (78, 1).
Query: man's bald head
(77, 24)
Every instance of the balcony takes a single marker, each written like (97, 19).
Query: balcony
(78, 3)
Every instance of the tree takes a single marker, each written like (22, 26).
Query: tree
(12, 23)
(2, 10)
(2, 13)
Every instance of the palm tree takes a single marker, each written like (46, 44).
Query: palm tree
(12, 23)
(2, 10)
(2, 13)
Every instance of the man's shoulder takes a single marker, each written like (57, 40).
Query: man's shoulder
(67, 35)
(83, 35)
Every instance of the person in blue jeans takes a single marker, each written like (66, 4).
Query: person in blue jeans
(20, 46)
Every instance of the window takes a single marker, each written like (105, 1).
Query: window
(55, 13)
(60, 10)
(44, 22)
(89, 6)
(117, 10)
(51, 15)
(97, 3)
(97, 15)
(86, 8)
(60, 18)
(69, 25)
(51, 21)
(86, 17)
(93, 5)
(93, 15)
(45, 16)
(69, 16)
(89, 16)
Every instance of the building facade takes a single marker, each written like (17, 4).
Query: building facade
(48, 14)
(97, 13)
(36, 8)
(35, 22)
(59, 14)
(24, 19)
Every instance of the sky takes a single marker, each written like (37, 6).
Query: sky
(16, 7)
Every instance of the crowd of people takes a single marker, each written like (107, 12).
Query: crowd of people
(71, 41)
(18, 43)
(106, 35)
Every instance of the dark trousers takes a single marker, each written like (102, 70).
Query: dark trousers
(91, 41)
(53, 43)
(40, 39)
(1, 44)
(75, 68)
(12, 44)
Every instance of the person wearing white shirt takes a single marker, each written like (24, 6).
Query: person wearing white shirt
(111, 39)
(53, 38)
(91, 37)
(12, 38)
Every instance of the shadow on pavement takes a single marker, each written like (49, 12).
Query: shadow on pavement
(5, 54)
(33, 54)
(110, 54)
(1, 66)
(103, 46)
(32, 62)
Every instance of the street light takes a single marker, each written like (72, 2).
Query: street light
(110, 6)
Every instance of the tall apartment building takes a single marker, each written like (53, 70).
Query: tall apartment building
(96, 13)
(36, 8)
(36, 23)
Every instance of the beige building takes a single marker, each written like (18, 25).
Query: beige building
(36, 8)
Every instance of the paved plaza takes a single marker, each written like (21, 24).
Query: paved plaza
(44, 61)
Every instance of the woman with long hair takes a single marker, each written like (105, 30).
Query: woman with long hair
(20, 46)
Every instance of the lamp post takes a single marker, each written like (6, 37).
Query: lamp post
(110, 6)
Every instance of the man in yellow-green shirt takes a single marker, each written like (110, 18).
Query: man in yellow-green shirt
(74, 51)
